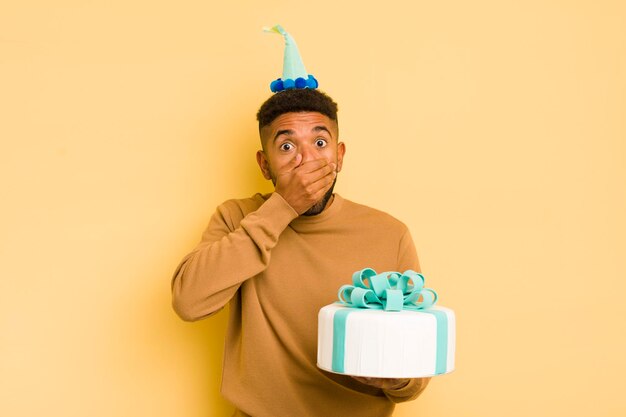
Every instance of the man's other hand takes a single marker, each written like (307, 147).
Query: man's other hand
(304, 184)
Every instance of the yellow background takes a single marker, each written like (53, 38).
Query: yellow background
(496, 130)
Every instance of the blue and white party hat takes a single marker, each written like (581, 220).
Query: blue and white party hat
(294, 73)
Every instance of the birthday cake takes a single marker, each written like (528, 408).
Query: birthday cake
(387, 326)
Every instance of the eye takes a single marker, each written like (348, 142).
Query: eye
(286, 146)
(321, 143)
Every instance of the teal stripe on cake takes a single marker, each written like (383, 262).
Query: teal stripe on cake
(441, 363)
(339, 339)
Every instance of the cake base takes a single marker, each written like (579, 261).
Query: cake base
(386, 344)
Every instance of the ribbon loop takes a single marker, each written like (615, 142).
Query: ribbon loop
(364, 298)
(359, 276)
(379, 284)
(394, 300)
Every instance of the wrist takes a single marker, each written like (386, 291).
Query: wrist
(285, 203)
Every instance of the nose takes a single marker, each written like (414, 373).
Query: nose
(308, 153)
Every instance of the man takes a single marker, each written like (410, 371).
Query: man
(278, 258)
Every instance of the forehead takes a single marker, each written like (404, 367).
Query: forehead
(299, 122)
(300, 118)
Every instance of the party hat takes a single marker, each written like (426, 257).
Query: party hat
(294, 73)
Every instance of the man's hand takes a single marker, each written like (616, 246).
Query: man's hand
(384, 383)
(392, 383)
(303, 185)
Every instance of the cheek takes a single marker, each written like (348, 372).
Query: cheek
(278, 162)
(330, 154)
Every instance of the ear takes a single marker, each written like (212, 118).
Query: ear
(341, 150)
(263, 164)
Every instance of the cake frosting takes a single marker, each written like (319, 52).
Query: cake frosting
(387, 326)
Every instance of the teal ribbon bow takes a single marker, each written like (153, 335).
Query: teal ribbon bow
(389, 291)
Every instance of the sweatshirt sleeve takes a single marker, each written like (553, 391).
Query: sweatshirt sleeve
(228, 254)
(407, 254)
(408, 392)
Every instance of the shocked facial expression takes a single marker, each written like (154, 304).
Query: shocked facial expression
(303, 137)
(309, 134)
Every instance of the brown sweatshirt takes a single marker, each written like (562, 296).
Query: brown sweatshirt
(277, 269)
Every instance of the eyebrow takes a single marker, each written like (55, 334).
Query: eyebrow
(283, 132)
(322, 128)
(291, 132)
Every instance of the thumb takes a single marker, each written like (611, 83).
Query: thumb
(293, 164)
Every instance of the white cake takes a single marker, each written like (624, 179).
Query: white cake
(386, 344)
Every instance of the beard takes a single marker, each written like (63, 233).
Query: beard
(318, 207)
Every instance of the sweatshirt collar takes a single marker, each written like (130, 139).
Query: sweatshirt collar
(329, 212)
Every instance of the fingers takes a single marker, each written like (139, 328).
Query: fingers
(315, 165)
(311, 172)
(323, 177)
(318, 180)
(325, 169)
(384, 383)
(315, 192)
